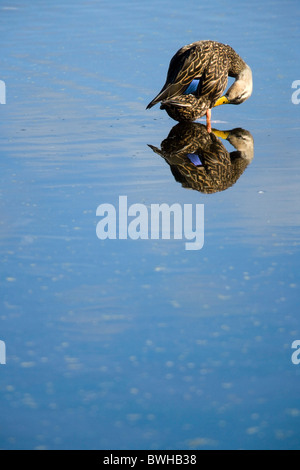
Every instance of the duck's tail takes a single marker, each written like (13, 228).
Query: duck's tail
(163, 94)
(169, 90)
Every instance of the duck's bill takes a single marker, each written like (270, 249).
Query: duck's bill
(221, 134)
(222, 100)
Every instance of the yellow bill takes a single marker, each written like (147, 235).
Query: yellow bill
(221, 134)
(222, 100)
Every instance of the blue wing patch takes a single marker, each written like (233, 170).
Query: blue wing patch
(193, 87)
(194, 158)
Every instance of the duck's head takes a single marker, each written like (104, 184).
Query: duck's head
(240, 90)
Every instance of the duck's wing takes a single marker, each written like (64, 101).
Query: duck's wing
(215, 76)
(195, 61)
(188, 63)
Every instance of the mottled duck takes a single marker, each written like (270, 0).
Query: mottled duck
(197, 78)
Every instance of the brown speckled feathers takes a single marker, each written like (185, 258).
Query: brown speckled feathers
(219, 170)
(208, 61)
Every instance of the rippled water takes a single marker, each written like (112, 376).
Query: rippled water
(141, 344)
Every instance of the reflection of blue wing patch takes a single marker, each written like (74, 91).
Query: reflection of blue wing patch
(193, 86)
(194, 158)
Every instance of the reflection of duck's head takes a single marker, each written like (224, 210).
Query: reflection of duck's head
(199, 160)
(242, 140)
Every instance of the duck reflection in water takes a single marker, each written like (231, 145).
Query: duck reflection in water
(199, 160)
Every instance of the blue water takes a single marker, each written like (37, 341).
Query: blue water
(141, 344)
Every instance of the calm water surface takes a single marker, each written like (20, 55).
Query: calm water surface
(141, 344)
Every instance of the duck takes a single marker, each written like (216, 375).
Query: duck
(199, 160)
(197, 79)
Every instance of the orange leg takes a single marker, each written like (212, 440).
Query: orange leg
(208, 120)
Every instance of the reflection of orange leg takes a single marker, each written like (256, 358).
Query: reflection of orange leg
(208, 120)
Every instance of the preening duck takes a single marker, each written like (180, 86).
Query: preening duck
(197, 78)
